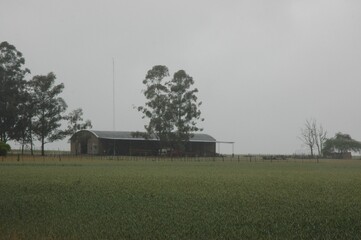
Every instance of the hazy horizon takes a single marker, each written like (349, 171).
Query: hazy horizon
(261, 67)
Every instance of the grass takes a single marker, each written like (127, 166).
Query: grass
(104, 199)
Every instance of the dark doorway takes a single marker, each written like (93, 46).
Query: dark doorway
(83, 147)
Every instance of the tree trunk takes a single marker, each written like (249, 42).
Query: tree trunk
(31, 147)
(31, 140)
(3, 137)
(23, 143)
(42, 146)
(318, 148)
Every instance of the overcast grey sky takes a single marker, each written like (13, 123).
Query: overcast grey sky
(262, 67)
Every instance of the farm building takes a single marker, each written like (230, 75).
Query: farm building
(126, 143)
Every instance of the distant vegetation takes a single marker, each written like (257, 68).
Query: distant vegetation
(109, 199)
(341, 144)
(315, 136)
(32, 109)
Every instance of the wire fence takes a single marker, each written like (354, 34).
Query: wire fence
(65, 156)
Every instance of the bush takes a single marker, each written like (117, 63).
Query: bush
(4, 148)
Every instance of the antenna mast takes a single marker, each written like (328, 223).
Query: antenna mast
(113, 108)
(113, 98)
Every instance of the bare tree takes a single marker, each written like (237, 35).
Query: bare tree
(320, 137)
(313, 135)
(308, 135)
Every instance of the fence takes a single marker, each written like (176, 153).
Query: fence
(65, 156)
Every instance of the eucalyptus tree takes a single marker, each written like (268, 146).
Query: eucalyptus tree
(184, 106)
(156, 107)
(31, 108)
(171, 107)
(24, 126)
(49, 109)
(12, 82)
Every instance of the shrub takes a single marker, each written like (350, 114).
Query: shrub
(4, 148)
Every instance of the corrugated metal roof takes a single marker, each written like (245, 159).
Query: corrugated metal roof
(127, 135)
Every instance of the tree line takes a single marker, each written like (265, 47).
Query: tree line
(314, 136)
(32, 109)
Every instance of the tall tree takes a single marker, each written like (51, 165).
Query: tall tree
(156, 108)
(184, 106)
(12, 82)
(24, 124)
(172, 107)
(49, 109)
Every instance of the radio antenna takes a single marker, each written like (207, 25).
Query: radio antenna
(113, 107)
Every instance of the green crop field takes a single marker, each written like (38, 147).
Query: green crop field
(145, 199)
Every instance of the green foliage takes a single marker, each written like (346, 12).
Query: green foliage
(172, 106)
(49, 109)
(341, 143)
(179, 200)
(184, 107)
(4, 148)
(75, 122)
(26, 112)
(29, 108)
(12, 82)
(156, 108)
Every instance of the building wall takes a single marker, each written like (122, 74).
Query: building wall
(84, 143)
(93, 145)
(201, 148)
(127, 147)
(87, 143)
(72, 147)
